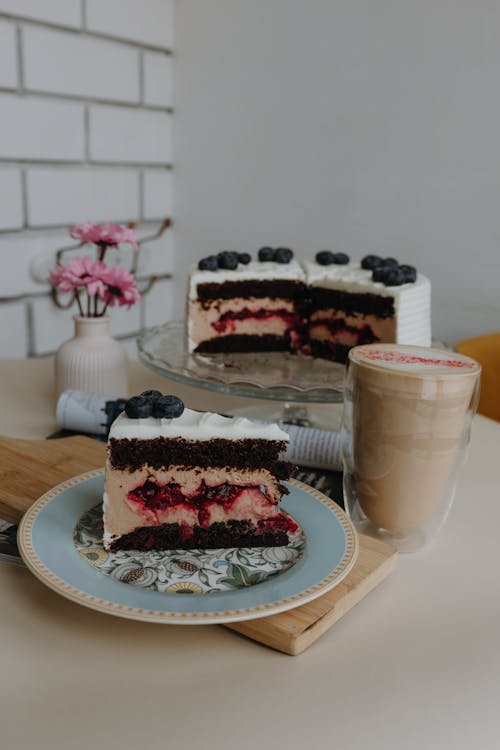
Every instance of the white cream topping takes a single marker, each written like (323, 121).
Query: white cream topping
(353, 278)
(195, 425)
(254, 270)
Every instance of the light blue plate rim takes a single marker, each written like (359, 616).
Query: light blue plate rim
(45, 540)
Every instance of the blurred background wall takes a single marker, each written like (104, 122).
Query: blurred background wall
(351, 125)
(85, 135)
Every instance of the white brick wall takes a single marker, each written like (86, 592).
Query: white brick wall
(11, 198)
(35, 128)
(147, 21)
(8, 55)
(64, 12)
(122, 135)
(68, 63)
(13, 331)
(73, 194)
(86, 118)
(157, 194)
(158, 79)
(158, 304)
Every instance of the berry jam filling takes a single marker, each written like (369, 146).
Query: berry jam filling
(227, 321)
(151, 500)
(158, 497)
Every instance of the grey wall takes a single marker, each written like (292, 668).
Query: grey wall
(354, 125)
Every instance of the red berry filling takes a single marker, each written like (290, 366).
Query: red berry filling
(151, 498)
(227, 321)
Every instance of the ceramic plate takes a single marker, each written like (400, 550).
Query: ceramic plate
(50, 538)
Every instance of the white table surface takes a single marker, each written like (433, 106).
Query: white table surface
(414, 666)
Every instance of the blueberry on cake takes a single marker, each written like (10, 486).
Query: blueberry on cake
(181, 479)
(320, 308)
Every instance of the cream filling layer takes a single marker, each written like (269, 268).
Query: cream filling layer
(203, 316)
(121, 515)
(384, 329)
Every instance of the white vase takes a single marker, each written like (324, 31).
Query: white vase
(92, 360)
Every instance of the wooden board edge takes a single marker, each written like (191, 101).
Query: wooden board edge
(346, 603)
(269, 633)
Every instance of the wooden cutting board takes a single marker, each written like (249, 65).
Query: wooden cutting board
(28, 468)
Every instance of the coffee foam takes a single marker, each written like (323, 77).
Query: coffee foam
(413, 359)
(414, 371)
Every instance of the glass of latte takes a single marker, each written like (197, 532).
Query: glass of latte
(406, 423)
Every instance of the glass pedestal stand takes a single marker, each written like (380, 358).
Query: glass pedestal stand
(289, 388)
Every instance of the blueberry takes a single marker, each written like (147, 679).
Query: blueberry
(379, 273)
(244, 258)
(168, 407)
(391, 263)
(283, 255)
(228, 260)
(208, 264)
(394, 277)
(138, 407)
(340, 259)
(325, 258)
(151, 395)
(370, 262)
(410, 273)
(266, 254)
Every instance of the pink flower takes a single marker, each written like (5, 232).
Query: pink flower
(110, 235)
(79, 272)
(119, 287)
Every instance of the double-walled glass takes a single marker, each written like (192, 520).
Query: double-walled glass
(406, 422)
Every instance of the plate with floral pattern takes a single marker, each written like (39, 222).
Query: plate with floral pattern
(60, 541)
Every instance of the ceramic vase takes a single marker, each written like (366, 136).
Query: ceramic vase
(92, 360)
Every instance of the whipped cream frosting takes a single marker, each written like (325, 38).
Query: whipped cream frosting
(352, 278)
(195, 425)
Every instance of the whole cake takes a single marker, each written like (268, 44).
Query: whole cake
(181, 479)
(320, 308)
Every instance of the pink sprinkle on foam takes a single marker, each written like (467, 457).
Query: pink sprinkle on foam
(413, 359)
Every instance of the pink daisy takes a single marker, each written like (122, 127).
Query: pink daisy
(79, 272)
(120, 287)
(109, 235)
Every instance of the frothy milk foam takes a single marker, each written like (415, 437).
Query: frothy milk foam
(409, 408)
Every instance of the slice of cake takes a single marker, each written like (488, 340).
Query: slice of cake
(182, 479)
(236, 305)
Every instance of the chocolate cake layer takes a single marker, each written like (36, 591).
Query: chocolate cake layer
(351, 303)
(333, 352)
(131, 454)
(229, 534)
(274, 288)
(238, 342)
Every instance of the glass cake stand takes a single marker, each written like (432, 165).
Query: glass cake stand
(300, 387)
